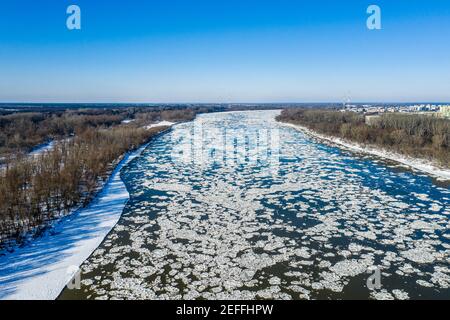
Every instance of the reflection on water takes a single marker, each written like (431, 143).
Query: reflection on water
(236, 206)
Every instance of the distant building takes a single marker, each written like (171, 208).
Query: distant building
(445, 111)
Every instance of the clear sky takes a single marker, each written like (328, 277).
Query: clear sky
(224, 51)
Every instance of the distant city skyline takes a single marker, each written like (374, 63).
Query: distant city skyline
(184, 51)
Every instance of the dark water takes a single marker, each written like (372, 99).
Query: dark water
(236, 206)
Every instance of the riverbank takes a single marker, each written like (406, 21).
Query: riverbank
(42, 268)
(423, 165)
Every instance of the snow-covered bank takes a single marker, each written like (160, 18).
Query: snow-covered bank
(423, 165)
(41, 269)
(160, 124)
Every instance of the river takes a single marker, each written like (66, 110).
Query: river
(237, 206)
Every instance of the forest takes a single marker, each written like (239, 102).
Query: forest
(409, 134)
(22, 131)
(88, 144)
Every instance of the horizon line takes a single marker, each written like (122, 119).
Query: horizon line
(221, 103)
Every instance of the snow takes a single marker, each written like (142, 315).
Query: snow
(42, 149)
(46, 147)
(36, 152)
(419, 164)
(41, 270)
(160, 124)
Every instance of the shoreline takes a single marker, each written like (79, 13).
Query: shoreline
(422, 165)
(42, 268)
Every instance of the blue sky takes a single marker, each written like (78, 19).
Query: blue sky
(224, 51)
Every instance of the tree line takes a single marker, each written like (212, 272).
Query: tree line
(37, 190)
(410, 134)
(20, 132)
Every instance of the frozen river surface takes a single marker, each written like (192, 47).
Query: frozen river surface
(237, 206)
